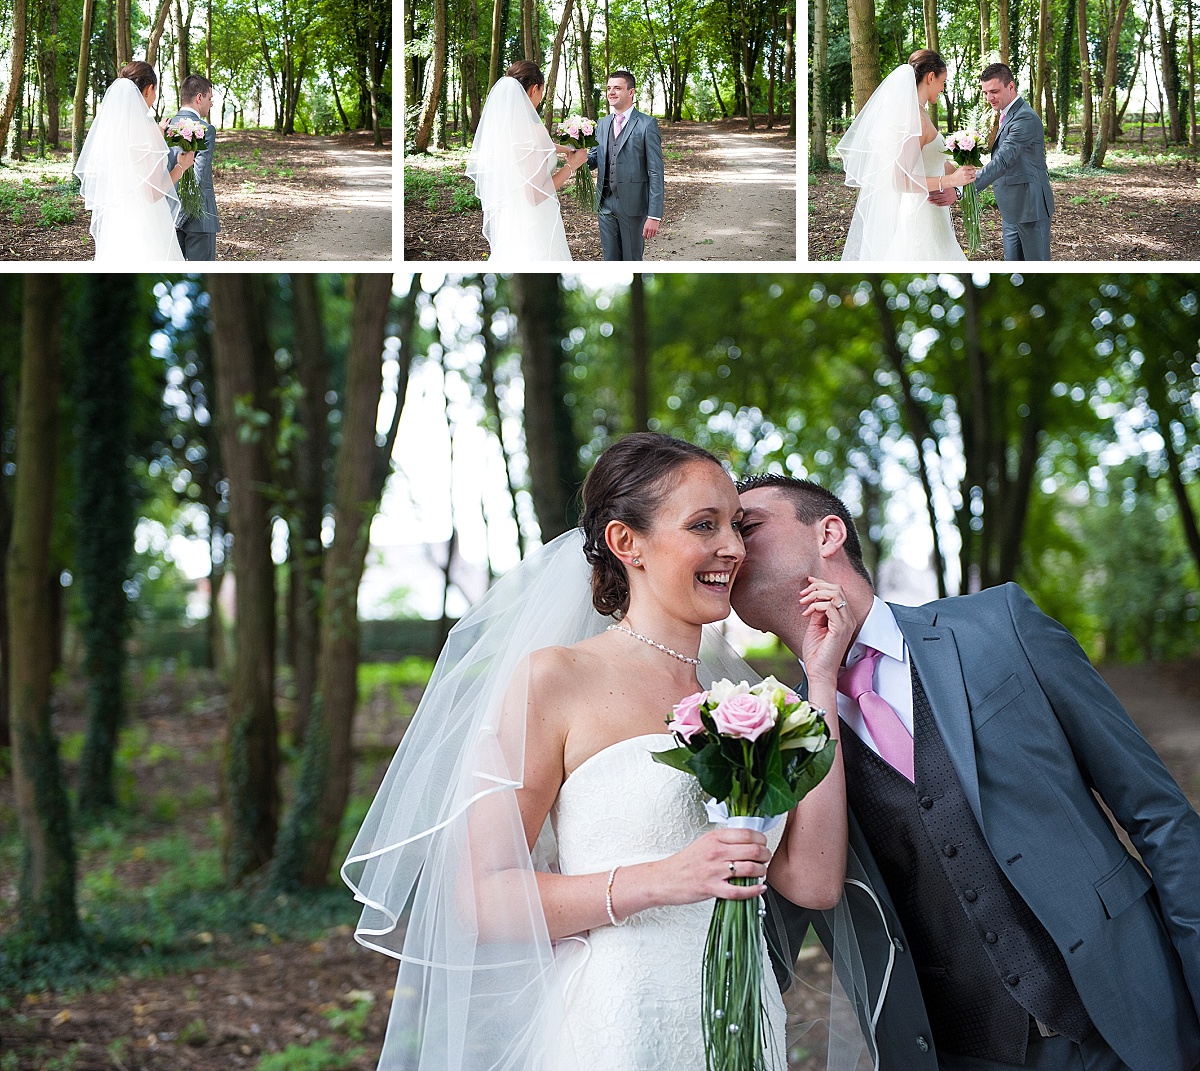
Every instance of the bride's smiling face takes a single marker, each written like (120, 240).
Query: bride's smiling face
(691, 554)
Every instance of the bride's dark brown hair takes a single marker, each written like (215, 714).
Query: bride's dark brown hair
(528, 73)
(628, 483)
(925, 61)
(140, 73)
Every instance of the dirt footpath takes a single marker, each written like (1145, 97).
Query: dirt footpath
(746, 203)
(356, 221)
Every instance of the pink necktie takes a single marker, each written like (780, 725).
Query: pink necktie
(882, 721)
(620, 124)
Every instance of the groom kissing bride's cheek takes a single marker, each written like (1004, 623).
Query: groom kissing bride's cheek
(628, 162)
(1008, 925)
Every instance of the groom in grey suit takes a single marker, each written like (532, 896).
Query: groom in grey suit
(1017, 169)
(198, 234)
(1017, 929)
(628, 162)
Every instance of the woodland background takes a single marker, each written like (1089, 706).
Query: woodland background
(1114, 82)
(179, 784)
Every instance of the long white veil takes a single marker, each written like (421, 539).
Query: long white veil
(125, 183)
(441, 864)
(512, 164)
(881, 153)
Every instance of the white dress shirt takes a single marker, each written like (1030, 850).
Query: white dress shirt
(893, 673)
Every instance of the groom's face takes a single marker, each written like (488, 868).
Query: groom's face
(202, 105)
(998, 94)
(781, 554)
(619, 94)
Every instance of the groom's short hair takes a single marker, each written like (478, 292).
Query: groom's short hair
(998, 70)
(811, 502)
(194, 85)
(626, 76)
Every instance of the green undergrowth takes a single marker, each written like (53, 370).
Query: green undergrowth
(443, 187)
(46, 203)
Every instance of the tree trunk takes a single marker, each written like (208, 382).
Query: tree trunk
(17, 72)
(549, 440)
(312, 371)
(1191, 61)
(864, 51)
(985, 27)
(1168, 71)
(49, 66)
(1108, 100)
(46, 890)
(497, 42)
(639, 353)
(244, 373)
(124, 33)
(104, 520)
(433, 95)
(587, 81)
(470, 65)
(789, 65)
(818, 147)
(1040, 67)
(1002, 29)
(1085, 77)
(310, 833)
(528, 42)
(81, 82)
(555, 56)
(156, 32)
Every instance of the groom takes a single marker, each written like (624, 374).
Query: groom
(198, 234)
(628, 162)
(976, 739)
(1017, 169)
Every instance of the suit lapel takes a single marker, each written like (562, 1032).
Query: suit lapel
(630, 119)
(934, 653)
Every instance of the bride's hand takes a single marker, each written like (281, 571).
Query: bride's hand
(964, 176)
(702, 870)
(577, 158)
(185, 159)
(829, 631)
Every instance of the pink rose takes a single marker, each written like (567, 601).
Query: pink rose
(747, 716)
(687, 721)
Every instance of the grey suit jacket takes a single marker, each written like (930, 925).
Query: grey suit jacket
(1033, 731)
(203, 166)
(638, 168)
(1017, 169)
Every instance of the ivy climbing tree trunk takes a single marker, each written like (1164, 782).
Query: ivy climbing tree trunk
(16, 68)
(46, 889)
(81, 81)
(363, 464)
(104, 519)
(433, 95)
(244, 375)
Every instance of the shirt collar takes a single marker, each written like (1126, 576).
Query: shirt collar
(1008, 107)
(190, 111)
(880, 631)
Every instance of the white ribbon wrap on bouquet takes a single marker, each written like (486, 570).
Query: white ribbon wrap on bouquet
(718, 814)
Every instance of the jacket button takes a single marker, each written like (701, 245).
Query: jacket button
(1012, 979)
(990, 937)
(926, 802)
(922, 1044)
(971, 896)
(898, 944)
(949, 851)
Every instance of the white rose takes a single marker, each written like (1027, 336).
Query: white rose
(723, 689)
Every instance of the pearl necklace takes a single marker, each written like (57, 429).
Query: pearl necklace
(661, 646)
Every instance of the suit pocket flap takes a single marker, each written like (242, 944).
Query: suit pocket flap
(996, 700)
(1122, 886)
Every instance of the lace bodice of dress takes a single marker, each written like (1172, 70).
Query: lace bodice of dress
(633, 991)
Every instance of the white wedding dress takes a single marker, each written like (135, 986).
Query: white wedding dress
(883, 158)
(632, 992)
(512, 164)
(125, 183)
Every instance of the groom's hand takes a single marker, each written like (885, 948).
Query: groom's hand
(943, 197)
(650, 228)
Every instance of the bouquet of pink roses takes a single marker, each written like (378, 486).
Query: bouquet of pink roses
(965, 147)
(757, 750)
(579, 131)
(188, 135)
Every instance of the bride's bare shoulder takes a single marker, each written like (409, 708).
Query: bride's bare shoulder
(928, 130)
(555, 668)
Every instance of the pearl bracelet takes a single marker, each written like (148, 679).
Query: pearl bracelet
(608, 899)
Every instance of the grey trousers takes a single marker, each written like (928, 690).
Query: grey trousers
(1046, 1054)
(1026, 241)
(197, 245)
(621, 236)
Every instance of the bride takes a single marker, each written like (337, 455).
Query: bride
(124, 178)
(545, 885)
(512, 163)
(895, 156)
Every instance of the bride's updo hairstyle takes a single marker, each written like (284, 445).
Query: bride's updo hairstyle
(925, 61)
(528, 73)
(628, 483)
(140, 73)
